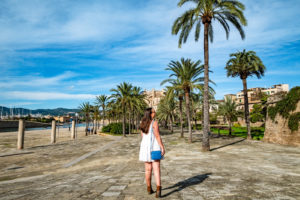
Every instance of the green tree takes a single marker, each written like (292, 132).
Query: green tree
(176, 89)
(224, 12)
(228, 109)
(166, 109)
(256, 114)
(122, 94)
(187, 72)
(245, 64)
(85, 108)
(102, 101)
(96, 117)
(138, 104)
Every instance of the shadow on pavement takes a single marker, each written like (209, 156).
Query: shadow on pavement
(16, 154)
(195, 180)
(228, 144)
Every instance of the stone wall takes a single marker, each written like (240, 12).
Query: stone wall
(279, 132)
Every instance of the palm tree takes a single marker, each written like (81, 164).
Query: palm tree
(122, 94)
(166, 108)
(188, 73)
(179, 93)
(204, 12)
(228, 109)
(245, 64)
(95, 110)
(85, 108)
(102, 101)
(138, 103)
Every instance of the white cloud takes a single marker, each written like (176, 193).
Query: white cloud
(34, 81)
(44, 95)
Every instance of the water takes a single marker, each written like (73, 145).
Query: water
(41, 128)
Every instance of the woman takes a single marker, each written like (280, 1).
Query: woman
(151, 140)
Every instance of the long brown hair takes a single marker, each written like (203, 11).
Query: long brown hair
(146, 120)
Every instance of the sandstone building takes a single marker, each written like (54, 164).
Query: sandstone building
(153, 97)
(254, 95)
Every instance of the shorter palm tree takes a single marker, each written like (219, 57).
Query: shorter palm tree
(187, 72)
(166, 109)
(122, 94)
(85, 108)
(245, 64)
(102, 101)
(228, 109)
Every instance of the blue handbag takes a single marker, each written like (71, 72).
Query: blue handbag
(156, 155)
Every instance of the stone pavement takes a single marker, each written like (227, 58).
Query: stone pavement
(234, 169)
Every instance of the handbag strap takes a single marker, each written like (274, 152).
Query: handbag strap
(151, 133)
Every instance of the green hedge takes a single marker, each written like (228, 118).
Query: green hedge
(115, 128)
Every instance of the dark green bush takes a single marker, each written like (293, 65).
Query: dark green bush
(294, 121)
(115, 128)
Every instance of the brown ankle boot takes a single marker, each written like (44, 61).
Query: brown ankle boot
(158, 192)
(149, 190)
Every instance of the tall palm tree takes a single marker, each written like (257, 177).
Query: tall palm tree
(122, 94)
(228, 109)
(245, 64)
(102, 101)
(188, 73)
(223, 11)
(85, 108)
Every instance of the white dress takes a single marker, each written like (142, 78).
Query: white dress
(145, 148)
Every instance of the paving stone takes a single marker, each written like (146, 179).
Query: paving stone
(111, 194)
(117, 187)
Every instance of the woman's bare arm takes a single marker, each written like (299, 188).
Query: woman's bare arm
(158, 138)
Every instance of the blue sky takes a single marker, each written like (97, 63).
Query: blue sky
(59, 53)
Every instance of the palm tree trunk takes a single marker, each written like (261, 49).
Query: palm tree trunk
(181, 120)
(171, 124)
(246, 106)
(86, 125)
(229, 123)
(187, 104)
(103, 106)
(205, 141)
(123, 125)
(129, 122)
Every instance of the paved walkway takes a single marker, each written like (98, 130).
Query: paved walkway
(108, 169)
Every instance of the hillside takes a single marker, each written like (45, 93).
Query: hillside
(23, 111)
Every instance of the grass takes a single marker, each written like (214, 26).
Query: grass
(257, 133)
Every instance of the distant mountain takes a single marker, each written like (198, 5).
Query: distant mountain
(23, 111)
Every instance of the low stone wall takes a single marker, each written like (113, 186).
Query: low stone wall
(277, 131)
(15, 124)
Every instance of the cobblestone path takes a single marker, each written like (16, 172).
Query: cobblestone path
(109, 169)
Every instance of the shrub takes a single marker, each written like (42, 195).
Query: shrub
(115, 128)
(237, 125)
(294, 121)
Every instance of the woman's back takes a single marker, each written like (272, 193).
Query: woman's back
(148, 144)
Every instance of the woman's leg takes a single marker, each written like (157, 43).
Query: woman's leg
(148, 173)
(156, 169)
